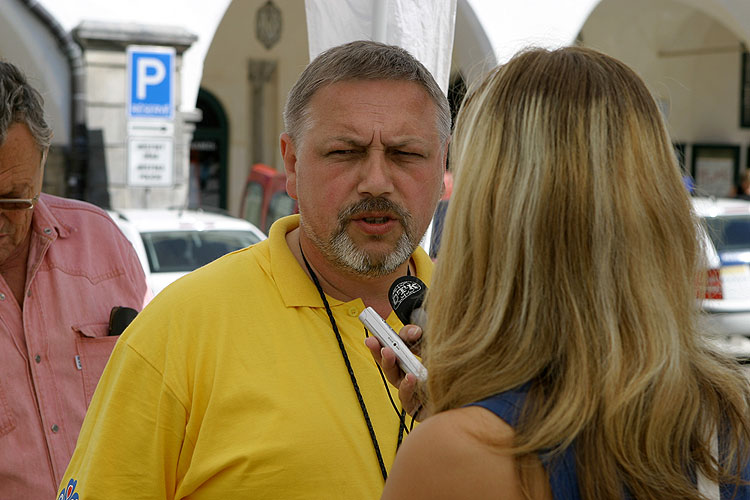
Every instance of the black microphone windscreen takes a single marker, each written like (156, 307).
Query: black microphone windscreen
(406, 294)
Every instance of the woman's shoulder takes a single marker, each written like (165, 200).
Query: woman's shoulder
(470, 425)
(460, 453)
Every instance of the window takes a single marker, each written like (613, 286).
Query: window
(185, 251)
(729, 233)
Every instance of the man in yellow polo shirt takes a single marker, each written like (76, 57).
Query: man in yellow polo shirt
(249, 378)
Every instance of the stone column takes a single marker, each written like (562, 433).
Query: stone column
(259, 73)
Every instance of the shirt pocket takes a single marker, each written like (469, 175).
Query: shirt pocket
(7, 421)
(94, 347)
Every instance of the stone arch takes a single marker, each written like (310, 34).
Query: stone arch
(690, 54)
(26, 42)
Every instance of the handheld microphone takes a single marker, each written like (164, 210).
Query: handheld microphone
(406, 296)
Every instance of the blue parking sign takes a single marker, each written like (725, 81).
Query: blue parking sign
(150, 82)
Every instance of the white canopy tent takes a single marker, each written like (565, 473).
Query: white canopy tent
(423, 27)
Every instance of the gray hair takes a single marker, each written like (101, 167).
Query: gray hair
(361, 60)
(21, 103)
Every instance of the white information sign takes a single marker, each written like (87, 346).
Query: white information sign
(150, 161)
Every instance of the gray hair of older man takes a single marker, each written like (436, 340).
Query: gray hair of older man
(361, 60)
(21, 103)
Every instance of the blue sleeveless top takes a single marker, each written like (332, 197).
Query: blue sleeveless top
(561, 469)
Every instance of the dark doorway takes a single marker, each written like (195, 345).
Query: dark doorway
(208, 155)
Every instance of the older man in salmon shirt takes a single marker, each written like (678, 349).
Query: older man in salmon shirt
(64, 267)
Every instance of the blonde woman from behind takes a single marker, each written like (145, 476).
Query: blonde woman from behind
(563, 302)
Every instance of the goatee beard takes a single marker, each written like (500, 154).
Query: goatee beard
(340, 249)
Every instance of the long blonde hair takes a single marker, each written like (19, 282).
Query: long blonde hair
(569, 262)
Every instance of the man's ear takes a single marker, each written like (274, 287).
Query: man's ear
(289, 155)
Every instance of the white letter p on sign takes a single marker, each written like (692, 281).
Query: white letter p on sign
(144, 64)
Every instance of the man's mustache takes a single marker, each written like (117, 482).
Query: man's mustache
(378, 204)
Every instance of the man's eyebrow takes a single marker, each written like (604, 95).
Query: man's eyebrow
(399, 142)
(347, 140)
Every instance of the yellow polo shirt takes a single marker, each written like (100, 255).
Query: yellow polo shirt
(231, 384)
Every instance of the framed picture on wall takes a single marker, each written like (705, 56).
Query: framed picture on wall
(715, 169)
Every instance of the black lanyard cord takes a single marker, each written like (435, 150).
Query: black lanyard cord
(349, 368)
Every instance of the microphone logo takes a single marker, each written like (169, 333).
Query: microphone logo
(406, 296)
(403, 290)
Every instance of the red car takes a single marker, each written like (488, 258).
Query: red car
(265, 198)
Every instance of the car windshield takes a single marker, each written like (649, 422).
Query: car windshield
(729, 232)
(185, 251)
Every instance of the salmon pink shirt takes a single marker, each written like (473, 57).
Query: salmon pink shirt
(53, 351)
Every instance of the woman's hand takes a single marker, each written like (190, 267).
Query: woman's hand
(406, 383)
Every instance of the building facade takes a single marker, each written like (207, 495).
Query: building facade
(230, 63)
